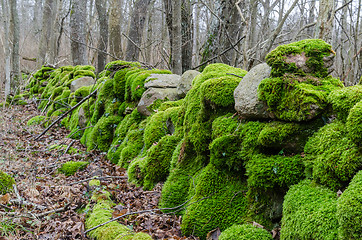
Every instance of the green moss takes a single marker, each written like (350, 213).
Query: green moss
(245, 232)
(158, 160)
(101, 135)
(219, 92)
(155, 130)
(349, 210)
(292, 98)
(249, 134)
(331, 157)
(6, 182)
(141, 236)
(71, 167)
(344, 99)
(354, 123)
(218, 202)
(83, 73)
(119, 64)
(314, 50)
(288, 136)
(278, 172)
(36, 120)
(83, 67)
(136, 170)
(223, 125)
(120, 81)
(309, 212)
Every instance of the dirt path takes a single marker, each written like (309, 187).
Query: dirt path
(51, 203)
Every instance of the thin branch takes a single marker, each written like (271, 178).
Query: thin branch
(65, 114)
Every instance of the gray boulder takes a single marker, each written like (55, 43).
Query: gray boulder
(81, 82)
(247, 103)
(152, 94)
(186, 82)
(162, 81)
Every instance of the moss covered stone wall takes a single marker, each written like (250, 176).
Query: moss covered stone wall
(219, 169)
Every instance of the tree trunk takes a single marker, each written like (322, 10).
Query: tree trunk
(136, 30)
(5, 7)
(177, 37)
(324, 27)
(103, 34)
(186, 30)
(78, 33)
(115, 43)
(46, 32)
(15, 38)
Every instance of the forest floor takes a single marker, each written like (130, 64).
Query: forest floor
(48, 205)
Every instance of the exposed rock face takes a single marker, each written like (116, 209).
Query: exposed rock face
(301, 60)
(82, 119)
(162, 81)
(247, 103)
(152, 94)
(186, 82)
(81, 82)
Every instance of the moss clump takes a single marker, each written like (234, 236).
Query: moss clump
(101, 135)
(354, 123)
(136, 170)
(158, 160)
(94, 182)
(279, 172)
(36, 120)
(6, 183)
(349, 210)
(245, 232)
(344, 99)
(219, 202)
(288, 136)
(218, 92)
(292, 98)
(309, 212)
(71, 167)
(83, 73)
(331, 157)
(313, 49)
(120, 79)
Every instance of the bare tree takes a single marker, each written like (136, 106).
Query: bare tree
(114, 29)
(103, 34)
(136, 30)
(47, 30)
(4, 6)
(15, 39)
(176, 37)
(78, 32)
(324, 27)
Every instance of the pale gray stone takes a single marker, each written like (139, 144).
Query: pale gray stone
(247, 103)
(81, 82)
(152, 94)
(162, 81)
(186, 82)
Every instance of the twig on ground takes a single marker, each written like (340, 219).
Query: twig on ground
(96, 177)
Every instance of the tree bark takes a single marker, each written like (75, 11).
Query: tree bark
(15, 38)
(5, 7)
(103, 34)
(177, 37)
(324, 27)
(186, 29)
(46, 31)
(78, 33)
(136, 30)
(115, 43)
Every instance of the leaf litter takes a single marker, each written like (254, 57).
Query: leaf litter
(48, 205)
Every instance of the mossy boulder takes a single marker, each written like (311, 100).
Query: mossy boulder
(344, 99)
(354, 123)
(349, 210)
(71, 167)
(6, 182)
(295, 98)
(218, 202)
(331, 157)
(309, 212)
(245, 232)
(309, 56)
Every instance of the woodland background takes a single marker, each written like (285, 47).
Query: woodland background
(178, 35)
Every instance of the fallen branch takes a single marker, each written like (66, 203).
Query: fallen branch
(65, 114)
(62, 209)
(20, 201)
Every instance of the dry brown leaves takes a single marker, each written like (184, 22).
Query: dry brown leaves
(34, 167)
